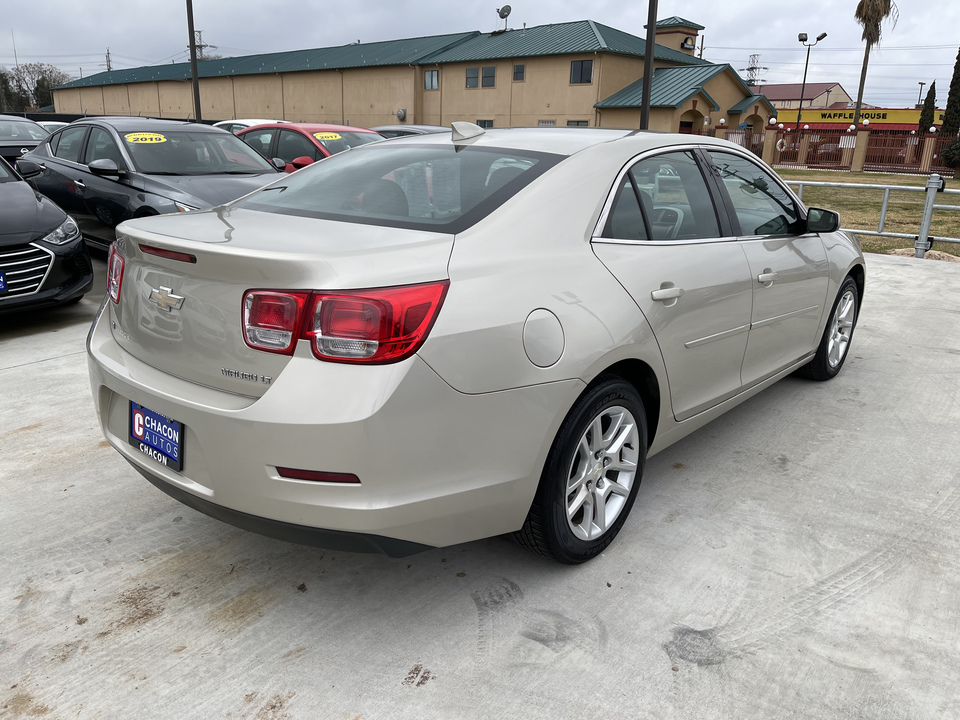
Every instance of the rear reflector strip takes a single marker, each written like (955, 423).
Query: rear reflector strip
(295, 474)
(169, 254)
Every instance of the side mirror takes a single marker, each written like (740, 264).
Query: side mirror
(302, 161)
(278, 163)
(104, 166)
(28, 168)
(822, 221)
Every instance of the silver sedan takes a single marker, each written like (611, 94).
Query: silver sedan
(452, 336)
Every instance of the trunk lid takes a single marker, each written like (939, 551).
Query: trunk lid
(238, 250)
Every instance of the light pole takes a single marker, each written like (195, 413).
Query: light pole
(921, 93)
(802, 37)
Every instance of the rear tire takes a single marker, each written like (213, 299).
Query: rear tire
(591, 476)
(835, 343)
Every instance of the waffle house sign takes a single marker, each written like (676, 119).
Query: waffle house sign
(876, 116)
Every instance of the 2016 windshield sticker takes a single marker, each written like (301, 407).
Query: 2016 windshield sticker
(144, 137)
(327, 136)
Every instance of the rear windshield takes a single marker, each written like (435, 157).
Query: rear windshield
(334, 142)
(21, 130)
(445, 188)
(193, 153)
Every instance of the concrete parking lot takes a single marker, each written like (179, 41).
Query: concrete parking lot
(798, 558)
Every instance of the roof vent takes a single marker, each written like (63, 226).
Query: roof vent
(465, 131)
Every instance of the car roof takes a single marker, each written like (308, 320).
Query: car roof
(317, 127)
(142, 124)
(249, 121)
(567, 141)
(17, 118)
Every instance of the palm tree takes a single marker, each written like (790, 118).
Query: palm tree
(870, 13)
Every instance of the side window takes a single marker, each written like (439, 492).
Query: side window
(626, 220)
(473, 76)
(680, 207)
(293, 145)
(259, 140)
(68, 147)
(489, 76)
(431, 80)
(581, 72)
(762, 206)
(101, 146)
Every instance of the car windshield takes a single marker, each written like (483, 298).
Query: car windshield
(445, 188)
(193, 153)
(21, 130)
(334, 142)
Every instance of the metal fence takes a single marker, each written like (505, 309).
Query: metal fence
(923, 240)
(752, 141)
(893, 151)
(826, 149)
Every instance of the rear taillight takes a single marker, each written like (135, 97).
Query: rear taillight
(382, 325)
(272, 320)
(114, 273)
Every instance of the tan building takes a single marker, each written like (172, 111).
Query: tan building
(580, 73)
(815, 95)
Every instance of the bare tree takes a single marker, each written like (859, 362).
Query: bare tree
(870, 14)
(36, 80)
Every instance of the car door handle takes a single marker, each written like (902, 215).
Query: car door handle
(664, 294)
(768, 278)
(79, 183)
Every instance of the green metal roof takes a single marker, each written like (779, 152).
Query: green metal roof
(671, 87)
(390, 52)
(745, 104)
(676, 21)
(583, 36)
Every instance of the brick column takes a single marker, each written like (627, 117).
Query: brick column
(860, 151)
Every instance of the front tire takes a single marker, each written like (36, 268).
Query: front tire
(591, 476)
(835, 343)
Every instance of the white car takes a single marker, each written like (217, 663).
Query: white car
(236, 126)
(446, 337)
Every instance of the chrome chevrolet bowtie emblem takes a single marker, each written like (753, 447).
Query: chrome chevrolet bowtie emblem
(165, 299)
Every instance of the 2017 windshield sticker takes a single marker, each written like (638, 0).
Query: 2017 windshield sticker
(144, 137)
(327, 136)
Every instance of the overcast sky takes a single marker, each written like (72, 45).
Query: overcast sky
(73, 35)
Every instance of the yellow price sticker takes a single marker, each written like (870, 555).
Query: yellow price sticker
(144, 137)
(327, 136)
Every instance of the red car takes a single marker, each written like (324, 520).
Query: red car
(299, 144)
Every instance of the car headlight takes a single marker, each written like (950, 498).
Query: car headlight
(183, 207)
(65, 233)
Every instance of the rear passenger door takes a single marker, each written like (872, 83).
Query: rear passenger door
(62, 179)
(665, 242)
(788, 266)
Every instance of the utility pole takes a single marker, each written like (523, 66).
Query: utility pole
(198, 41)
(754, 70)
(648, 50)
(109, 66)
(193, 63)
(701, 46)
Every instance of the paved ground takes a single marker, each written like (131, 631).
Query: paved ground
(796, 559)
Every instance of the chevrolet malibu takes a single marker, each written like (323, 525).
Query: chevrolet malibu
(447, 337)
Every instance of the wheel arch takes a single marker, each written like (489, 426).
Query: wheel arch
(859, 275)
(644, 380)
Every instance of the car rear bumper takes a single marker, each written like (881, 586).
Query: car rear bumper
(436, 467)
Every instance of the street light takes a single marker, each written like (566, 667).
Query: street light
(920, 94)
(802, 37)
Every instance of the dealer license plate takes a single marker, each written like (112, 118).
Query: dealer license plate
(157, 436)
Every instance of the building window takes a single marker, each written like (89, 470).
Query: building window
(518, 72)
(546, 123)
(577, 123)
(473, 77)
(489, 76)
(431, 80)
(581, 72)
(485, 123)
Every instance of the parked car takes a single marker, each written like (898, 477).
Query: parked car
(443, 338)
(43, 260)
(18, 136)
(392, 131)
(51, 125)
(236, 126)
(109, 169)
(300, 144)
